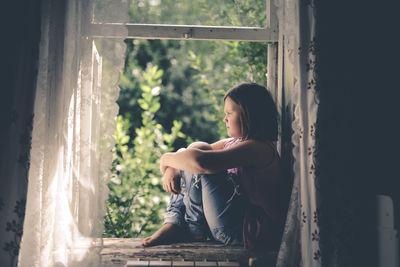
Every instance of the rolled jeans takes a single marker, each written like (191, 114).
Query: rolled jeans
(209, 203)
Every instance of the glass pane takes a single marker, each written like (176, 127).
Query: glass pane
(240, 13)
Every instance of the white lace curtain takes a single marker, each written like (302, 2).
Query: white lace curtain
(300, 244)
(74, 119)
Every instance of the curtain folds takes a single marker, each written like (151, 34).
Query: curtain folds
(300, 243)
(74, 119)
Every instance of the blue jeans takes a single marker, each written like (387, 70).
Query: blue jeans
(209, 203)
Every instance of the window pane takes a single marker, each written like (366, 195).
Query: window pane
(240, 13)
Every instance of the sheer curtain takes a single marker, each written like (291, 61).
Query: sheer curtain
(74, 118)
(300, 244)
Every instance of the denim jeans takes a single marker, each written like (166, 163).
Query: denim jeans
(209, 203)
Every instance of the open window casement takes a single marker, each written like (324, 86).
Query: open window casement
(99, 25)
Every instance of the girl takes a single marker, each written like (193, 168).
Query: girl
(232, 189)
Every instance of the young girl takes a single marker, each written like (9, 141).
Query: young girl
(232, 189)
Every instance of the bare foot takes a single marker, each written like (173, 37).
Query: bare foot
(168, 233)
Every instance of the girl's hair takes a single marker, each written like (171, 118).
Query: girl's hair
(259, 115)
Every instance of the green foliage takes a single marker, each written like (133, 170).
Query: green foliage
(199, 12)
(136, 201)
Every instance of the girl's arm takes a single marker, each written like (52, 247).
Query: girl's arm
(220, 144)
(249, 152)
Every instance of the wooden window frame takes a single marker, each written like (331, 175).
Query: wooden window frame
(269, 33)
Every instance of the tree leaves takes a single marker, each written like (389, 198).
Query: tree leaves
(136, 201)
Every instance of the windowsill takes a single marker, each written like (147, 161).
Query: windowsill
(118, 251)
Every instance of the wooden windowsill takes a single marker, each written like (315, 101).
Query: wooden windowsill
(117, 252)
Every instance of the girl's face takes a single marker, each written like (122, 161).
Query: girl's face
(232, 118)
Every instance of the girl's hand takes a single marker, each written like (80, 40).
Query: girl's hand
(171, 181)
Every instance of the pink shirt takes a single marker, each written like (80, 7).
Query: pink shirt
(266, 191)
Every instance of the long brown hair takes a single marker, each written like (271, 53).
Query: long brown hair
(259, 116)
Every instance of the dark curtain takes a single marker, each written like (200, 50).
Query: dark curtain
(356, 120)
(19, 59)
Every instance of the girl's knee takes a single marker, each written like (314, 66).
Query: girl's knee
(200, 145)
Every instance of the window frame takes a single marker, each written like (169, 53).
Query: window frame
(269, 33)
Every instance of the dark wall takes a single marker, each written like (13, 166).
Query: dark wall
(356, 85)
